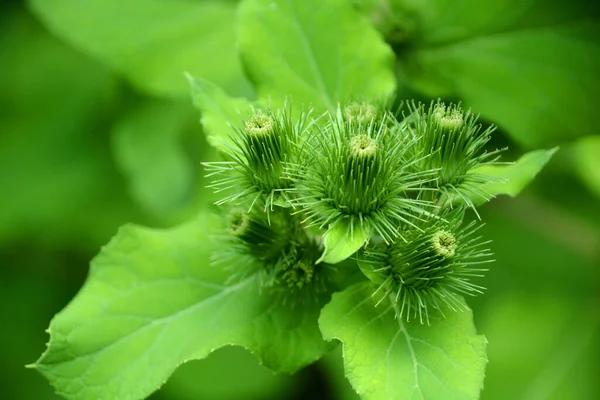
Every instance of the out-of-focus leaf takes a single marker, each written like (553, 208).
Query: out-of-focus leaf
(153, 42)
(585, 155)
(541, 345)
(536, 243)
(540, 311)
(149, 148)
(438, 22)
(58, 180)
(514, 177)
(220, 113)
(340, 243)
(388, 358)
(530, 67)
(152, 298)
(314, 51)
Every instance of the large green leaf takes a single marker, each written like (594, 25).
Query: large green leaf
(153, 42)
(220, 112)
(530, 67)
(152, 301)
(387, 358)
(317, 52)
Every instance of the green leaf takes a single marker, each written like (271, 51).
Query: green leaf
(586, 161)
(341, 242)
(317, 52)
(529, 67)
(152, 42)
(220, 112)
(514, 177)
(152, 301)
(387, 358)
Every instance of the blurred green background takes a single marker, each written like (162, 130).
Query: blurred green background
(96, 130)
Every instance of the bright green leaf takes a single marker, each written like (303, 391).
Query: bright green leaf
(152, 301)
(318, 52)
(513, 178)
(389, 359)
(153, 42)
(220, 112)
(341, 242)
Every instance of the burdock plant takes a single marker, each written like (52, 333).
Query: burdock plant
(359, 173)
(341, 216)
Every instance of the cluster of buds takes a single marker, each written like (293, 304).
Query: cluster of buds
(405, 179)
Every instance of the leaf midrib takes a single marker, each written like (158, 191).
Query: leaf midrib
(310, 55)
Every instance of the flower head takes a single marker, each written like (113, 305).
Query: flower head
(361, 113)
(363, 146)
(257, 158)
(455, 143)
(431, 269)
(444, 243)
(259, 124)
(361, 173)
